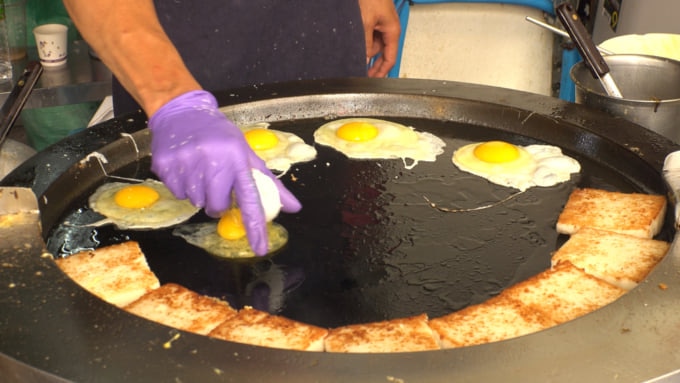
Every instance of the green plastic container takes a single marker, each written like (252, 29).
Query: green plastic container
(45, 126)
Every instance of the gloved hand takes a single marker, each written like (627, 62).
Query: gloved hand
(199, 154)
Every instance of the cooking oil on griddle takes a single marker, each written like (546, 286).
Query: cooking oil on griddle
(367, 245)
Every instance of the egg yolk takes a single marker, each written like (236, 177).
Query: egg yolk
(136, 196)
(261, 139)
(496, 152)
(357, 131)
(230, 226)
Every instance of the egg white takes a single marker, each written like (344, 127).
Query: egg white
(537, 165)
(552, 167)
(269, 195)
(393, 141)
(289, 150)
(165, 212)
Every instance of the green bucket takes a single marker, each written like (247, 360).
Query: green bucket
(45, 126)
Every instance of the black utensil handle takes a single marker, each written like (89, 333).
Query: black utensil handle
(578, 33)
(17, 97)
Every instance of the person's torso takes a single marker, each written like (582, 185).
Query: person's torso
(236, 43)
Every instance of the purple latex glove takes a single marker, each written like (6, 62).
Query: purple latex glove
(199, 154)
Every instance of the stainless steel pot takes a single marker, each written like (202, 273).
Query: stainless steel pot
(650, 86)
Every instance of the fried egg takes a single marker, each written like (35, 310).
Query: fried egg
(278, 149)
(226, 238)
(145, 205)
(369, 138)
(520, 167)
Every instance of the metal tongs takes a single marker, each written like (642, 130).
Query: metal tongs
(17, 98)
(592, 57)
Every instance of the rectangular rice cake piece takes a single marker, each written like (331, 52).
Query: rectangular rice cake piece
(619, 259)
(176, 306)
(260, 328)
(639, 215)
(118, 274)
(563, 293)
(395, 335)
(499, 318)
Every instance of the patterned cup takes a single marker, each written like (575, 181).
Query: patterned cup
(51, 42)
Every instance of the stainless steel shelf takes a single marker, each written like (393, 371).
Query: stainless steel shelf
(84, 78)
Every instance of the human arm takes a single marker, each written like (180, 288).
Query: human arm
(196, 151)
(382, 29)
(129, 39)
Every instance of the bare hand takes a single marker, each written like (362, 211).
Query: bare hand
(382, 29)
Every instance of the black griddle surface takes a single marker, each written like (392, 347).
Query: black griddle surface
(367, 246)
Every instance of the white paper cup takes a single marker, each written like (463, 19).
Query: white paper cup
(51, 42)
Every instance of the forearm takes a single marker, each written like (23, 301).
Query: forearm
(129, 39)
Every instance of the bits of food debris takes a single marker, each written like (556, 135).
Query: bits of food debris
(168, 344)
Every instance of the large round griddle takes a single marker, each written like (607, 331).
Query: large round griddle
(365, 247)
